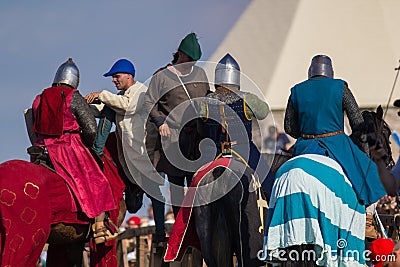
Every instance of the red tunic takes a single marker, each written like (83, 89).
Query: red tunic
(72, 160)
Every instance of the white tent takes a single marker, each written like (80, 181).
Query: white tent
(274, 41)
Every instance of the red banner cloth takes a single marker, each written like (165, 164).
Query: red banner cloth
(25, 213)
(183, 232)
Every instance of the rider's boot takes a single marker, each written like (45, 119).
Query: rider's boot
(102, 230)
(101, 233)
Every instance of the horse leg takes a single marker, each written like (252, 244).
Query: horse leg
(66, 244)
(222, 240)
(61, 255)
(204, 229)
(250, 238)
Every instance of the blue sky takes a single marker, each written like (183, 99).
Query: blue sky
(37, 36)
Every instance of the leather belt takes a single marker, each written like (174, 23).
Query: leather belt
(312, 136)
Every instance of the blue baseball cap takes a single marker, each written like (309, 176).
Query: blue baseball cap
(121, 66)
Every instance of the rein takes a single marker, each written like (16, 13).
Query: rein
(391, 92)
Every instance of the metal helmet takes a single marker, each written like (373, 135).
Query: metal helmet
(227, 71)
(67, 73)
(321, 65)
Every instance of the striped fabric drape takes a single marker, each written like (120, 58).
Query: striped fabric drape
(313, 202)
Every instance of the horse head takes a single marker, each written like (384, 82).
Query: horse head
(378, 132)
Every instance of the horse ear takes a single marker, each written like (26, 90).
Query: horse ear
(379, 111)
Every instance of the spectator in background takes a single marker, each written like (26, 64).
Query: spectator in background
(150, 213)
(170, 217)
(128, 245)
(133, 222)
(396, 254)
(132, 259)
(276, 141)
(381, 250)
(144, 222)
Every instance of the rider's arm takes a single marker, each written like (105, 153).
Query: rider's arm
(85, 118)
(355, 117)
(352, 110)
(257, 107)
(150, 102)
(291, 124)
(127, 102)
(117, 102)
(150, 106)
(390, 179)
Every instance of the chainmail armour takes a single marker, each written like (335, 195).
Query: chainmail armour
(226, 97)
(85, 118)
(256, 107)
(350, 106)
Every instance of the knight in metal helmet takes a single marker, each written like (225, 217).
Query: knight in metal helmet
(315, 117)
(321, 65)
(228, 116)
(66, 128)
(227, 72)
(68, 74)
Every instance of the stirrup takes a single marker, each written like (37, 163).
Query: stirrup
(102, 232)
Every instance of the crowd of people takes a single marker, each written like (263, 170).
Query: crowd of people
(150, 129)
(129, 245)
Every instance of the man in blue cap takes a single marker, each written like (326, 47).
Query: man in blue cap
(121, 108)
(123, 68)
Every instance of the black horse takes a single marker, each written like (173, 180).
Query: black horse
(232, 224)
(378, 133)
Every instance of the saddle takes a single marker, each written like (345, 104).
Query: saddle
(39, 156)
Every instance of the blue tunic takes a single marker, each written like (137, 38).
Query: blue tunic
(318, 103)
(238, 125)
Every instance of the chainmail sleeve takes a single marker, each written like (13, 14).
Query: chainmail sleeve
(356, 119)
(291, 124)
(352, 110)
(86, 120)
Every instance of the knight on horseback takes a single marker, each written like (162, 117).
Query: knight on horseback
(228, 113)
(319, 198)
(315, 117)
(222, 213)
(66, 129)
